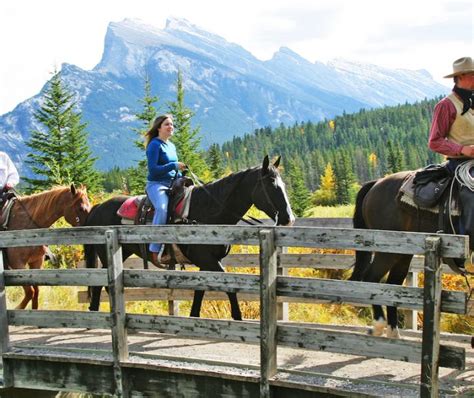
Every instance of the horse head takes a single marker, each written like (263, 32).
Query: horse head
(269, 194)
(79, 207)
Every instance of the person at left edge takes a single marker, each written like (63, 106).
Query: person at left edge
(8, 176)
(163, 165)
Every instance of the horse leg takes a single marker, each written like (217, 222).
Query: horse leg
(37, 264)
(94, 295)
(34, 300)
(396, 277)
(380, 265)
(234, 307)
(197, 302)
(26, 298)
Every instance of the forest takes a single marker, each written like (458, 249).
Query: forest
(323, 163)
(373, 143)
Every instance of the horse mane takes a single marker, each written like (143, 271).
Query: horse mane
(44, 202)
(224, 187)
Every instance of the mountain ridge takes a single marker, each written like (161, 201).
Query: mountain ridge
(230, 90)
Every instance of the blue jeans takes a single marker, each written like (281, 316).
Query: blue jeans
(157, 193)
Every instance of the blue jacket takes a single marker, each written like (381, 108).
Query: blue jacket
(162, 161)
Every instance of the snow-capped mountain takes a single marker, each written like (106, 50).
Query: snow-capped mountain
(230, 90)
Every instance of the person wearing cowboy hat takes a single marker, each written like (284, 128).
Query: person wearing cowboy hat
(452, 134)
(452, 127)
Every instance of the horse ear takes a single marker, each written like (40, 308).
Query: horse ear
(73, 189)
(266, 163)
(277, 162)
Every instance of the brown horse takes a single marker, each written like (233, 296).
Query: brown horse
(378, 207)
(41, 210)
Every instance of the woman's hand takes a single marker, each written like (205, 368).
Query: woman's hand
(182, 166)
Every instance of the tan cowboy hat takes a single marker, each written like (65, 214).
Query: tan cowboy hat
(462, 65)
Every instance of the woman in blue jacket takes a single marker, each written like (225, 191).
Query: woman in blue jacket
(163, 165)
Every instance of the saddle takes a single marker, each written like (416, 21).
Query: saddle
(7, 199)
(139, 210)
(430, 184)
(426, 189)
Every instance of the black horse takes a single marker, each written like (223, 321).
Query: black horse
(378, 207)
(224, 201)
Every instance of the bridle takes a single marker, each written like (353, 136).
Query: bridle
(267, 196)
(251, 220)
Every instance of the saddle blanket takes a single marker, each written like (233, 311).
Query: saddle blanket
(129, 209)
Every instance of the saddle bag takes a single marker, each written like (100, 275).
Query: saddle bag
(430, 184)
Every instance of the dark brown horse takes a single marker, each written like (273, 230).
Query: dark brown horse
(378, 207)
(223, 201)
(41, 210)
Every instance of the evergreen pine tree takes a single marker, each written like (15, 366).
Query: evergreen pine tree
(60, 153)
(216, 165)
(299, 194)
(138, 174)
(344, 178)
(185, 138)
(394, 158)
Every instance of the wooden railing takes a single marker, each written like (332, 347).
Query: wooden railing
(286, 261)
(269, 286)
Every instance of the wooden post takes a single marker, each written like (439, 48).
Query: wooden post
(429, 386)
(268, 310)
(173, 305)
(282, 308)
(4, 336)
(117, 308)
(411, 316)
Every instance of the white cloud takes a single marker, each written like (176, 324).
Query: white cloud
(37, 36)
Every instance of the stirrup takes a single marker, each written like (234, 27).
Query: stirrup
(157, 261)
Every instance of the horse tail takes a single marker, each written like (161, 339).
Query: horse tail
(362, 258)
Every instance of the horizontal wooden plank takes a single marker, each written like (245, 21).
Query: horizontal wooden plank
(336, 291)
(242, 331)
(337, 238)
(36, 372)
(53, 236)
(369, 240)
(209, 281)
(370, 346)
(59, 319)
(327, 290)
(57, 277)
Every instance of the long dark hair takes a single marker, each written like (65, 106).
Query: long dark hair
(153, 132)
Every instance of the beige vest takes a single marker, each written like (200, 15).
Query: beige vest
(462, 130)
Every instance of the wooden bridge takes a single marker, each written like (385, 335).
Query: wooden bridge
(120, 371)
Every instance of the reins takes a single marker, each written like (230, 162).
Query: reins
(18, 200)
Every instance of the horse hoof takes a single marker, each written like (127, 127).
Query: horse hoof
(393, 333)
(378, 328)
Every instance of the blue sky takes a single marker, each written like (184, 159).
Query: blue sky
(37, 36)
